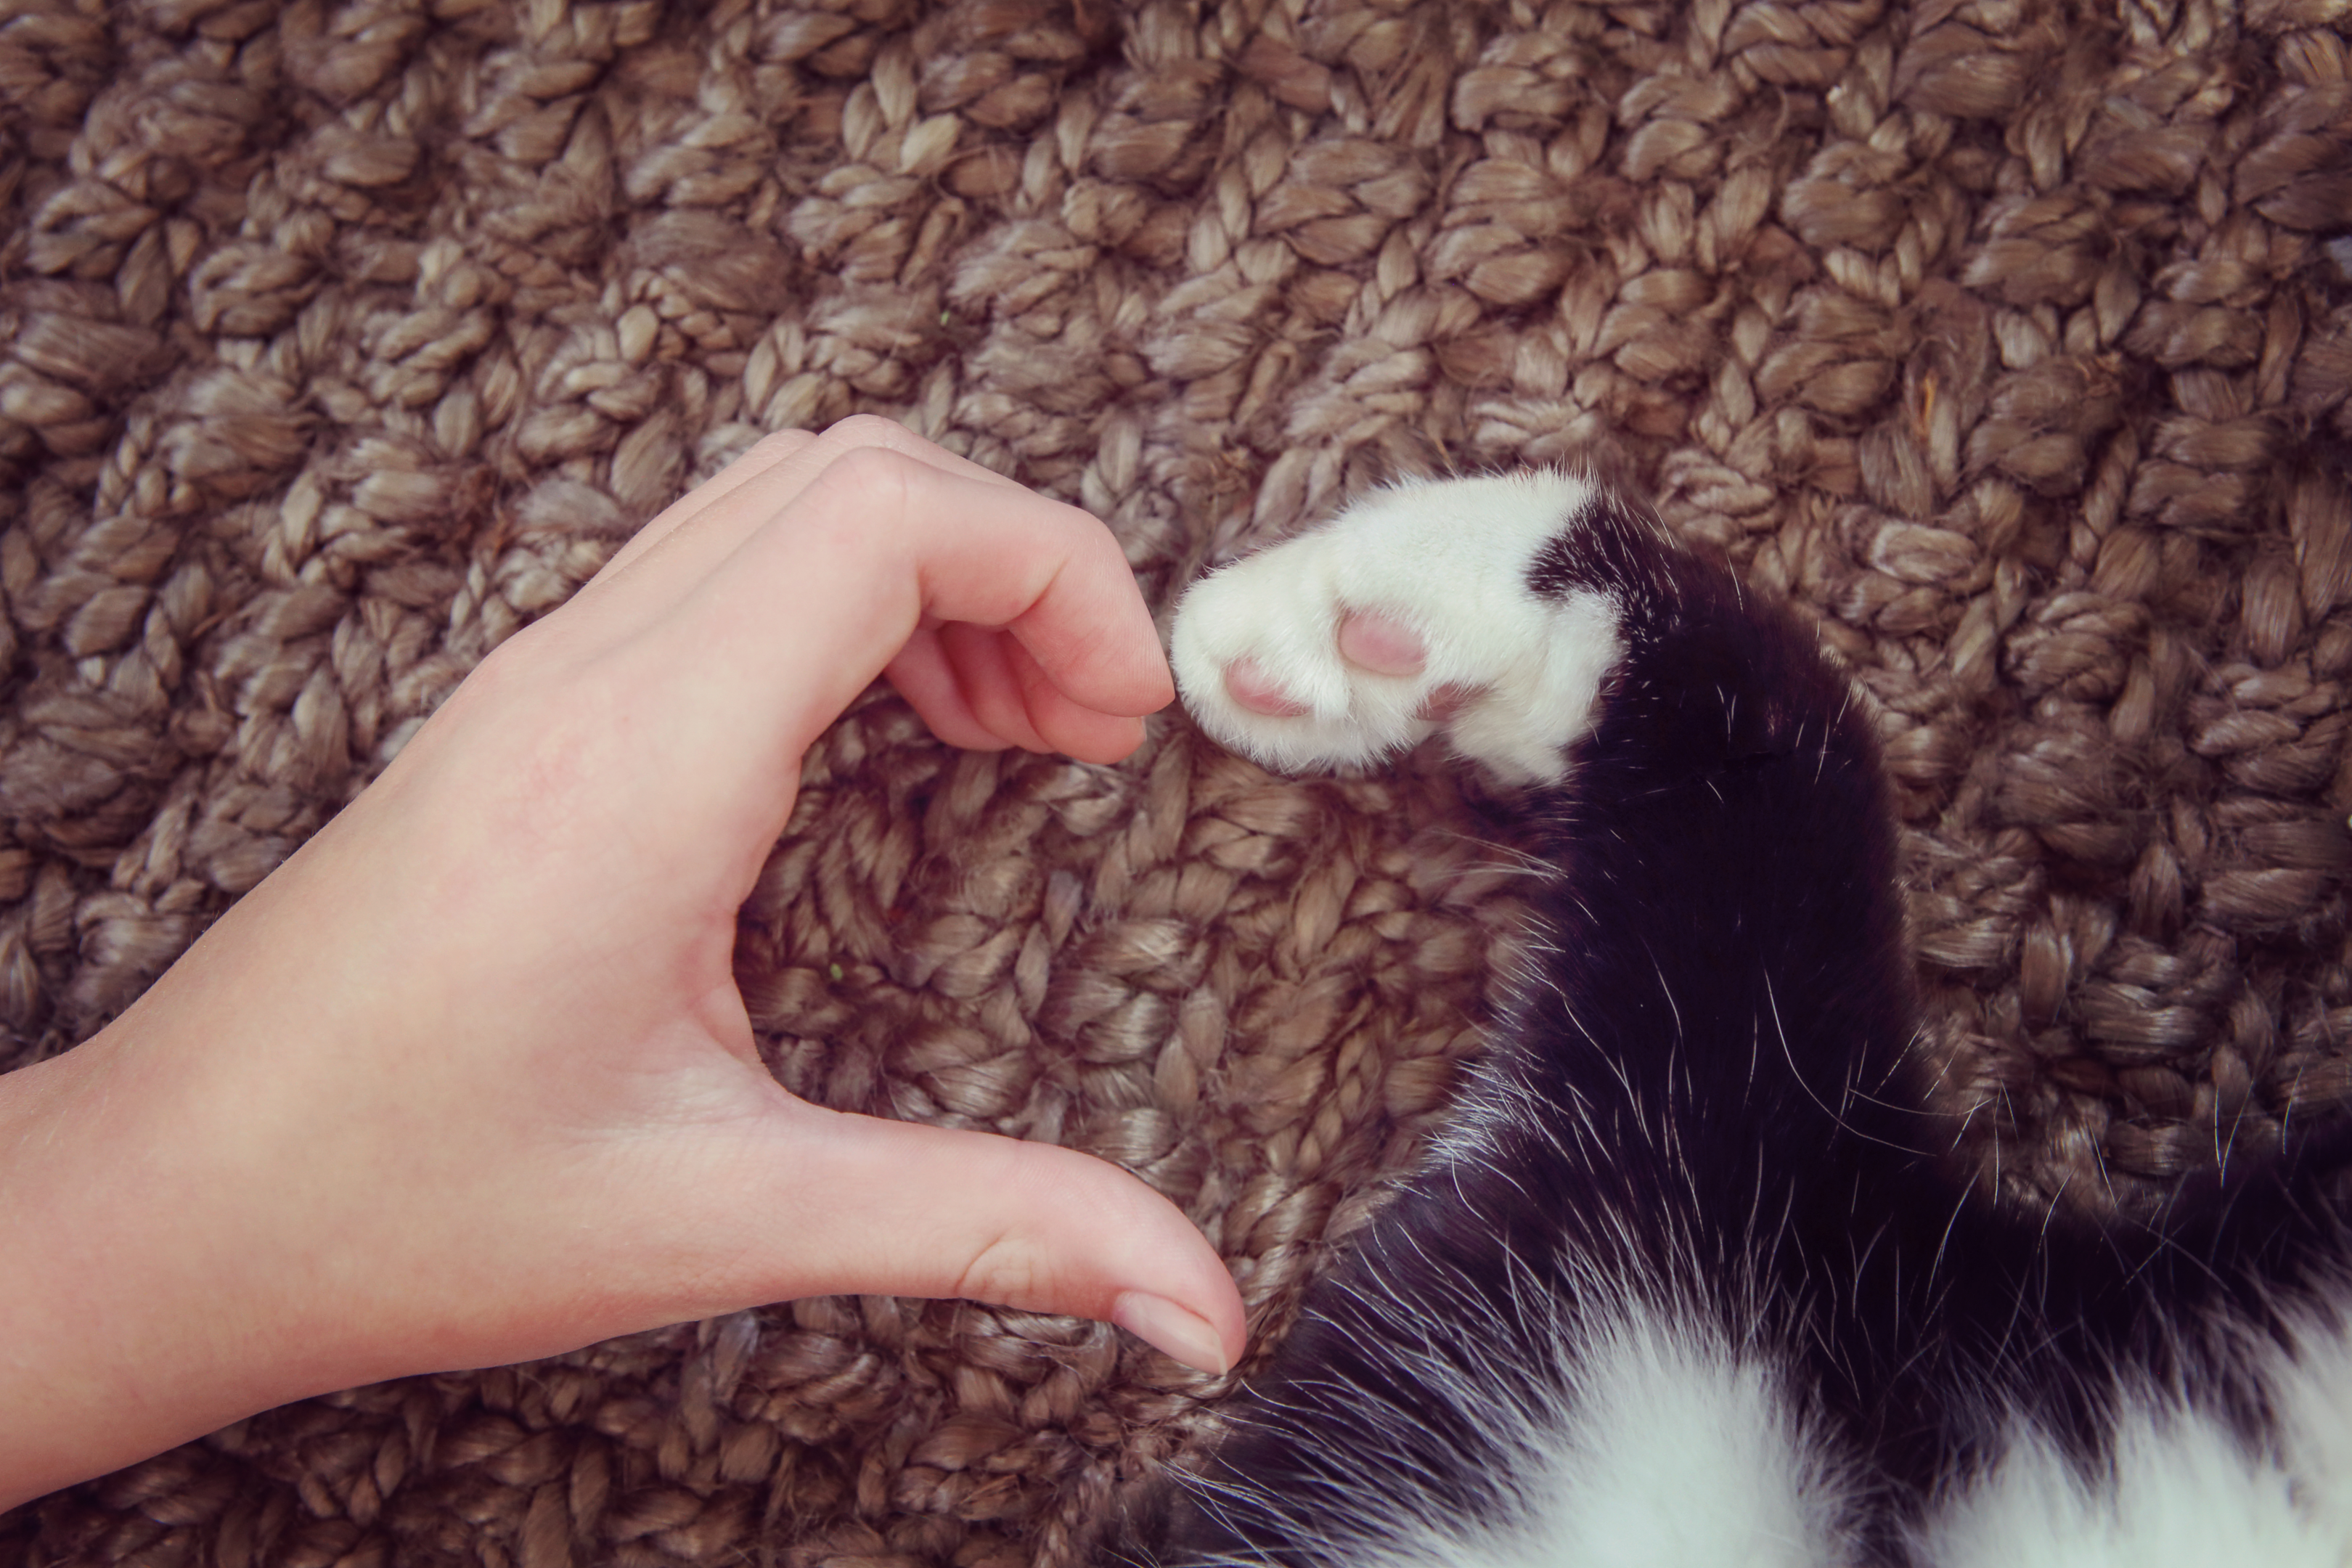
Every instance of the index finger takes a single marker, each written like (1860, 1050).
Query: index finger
(820, 596)
(701, 527)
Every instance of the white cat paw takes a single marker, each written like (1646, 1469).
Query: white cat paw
(1418, 608)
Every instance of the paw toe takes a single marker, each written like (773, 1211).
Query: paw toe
(1445, 701)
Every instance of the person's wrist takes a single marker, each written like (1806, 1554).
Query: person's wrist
(123, 1336)
(157, 1293)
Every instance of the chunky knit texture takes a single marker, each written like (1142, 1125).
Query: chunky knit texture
(2011, 338)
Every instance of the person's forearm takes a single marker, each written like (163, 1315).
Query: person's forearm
(137, 1311)
(76, 1322)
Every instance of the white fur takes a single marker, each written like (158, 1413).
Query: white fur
(2183, 1490)
(2183, 1493)
(1658, 1444)
(1666, 1448)
(1677, 1453)
(2313, 1389)
(1448, 559)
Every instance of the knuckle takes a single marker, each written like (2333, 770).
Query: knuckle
(867, 430)
(873, 475)
(778, 445)
(1005, 1270)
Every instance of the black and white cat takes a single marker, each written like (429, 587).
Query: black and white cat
(1693, 1278)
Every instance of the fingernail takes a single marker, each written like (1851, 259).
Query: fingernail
(1173, 1331)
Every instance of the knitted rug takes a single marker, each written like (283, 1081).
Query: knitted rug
(2010, 339)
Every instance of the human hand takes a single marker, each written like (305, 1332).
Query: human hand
(468, 1080)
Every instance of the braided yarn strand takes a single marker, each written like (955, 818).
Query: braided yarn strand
(2012, 340)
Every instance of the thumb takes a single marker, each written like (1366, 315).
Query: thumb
(902, 1209)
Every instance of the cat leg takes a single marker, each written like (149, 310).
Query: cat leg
(1424, 607)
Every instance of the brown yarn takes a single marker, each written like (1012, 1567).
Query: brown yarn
(2011, 338)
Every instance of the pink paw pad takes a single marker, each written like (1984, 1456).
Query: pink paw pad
(1252, 689)
(1371, 641)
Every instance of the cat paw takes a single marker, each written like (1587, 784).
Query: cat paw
(1434, 606)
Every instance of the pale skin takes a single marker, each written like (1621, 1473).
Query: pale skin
(467, 1079)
